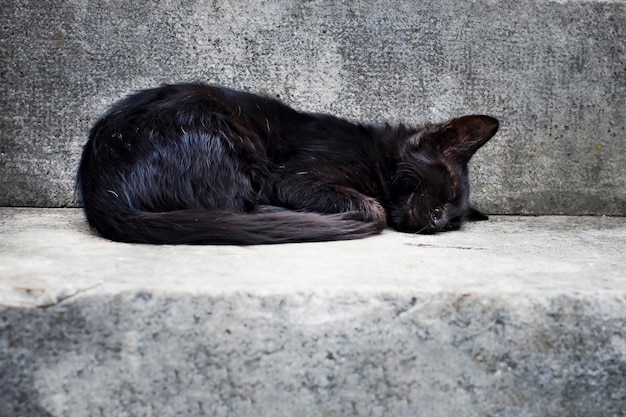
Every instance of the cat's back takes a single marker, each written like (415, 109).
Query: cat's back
(177, 115)
(168, 110)
(157, 148)
(165, 107)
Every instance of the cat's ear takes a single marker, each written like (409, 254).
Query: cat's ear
(462, 137)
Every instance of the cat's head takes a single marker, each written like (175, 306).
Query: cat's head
(430, 189)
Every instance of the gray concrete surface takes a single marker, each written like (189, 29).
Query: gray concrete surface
(553, 72)
(517, 316)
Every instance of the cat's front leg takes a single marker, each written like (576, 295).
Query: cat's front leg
(303, 192)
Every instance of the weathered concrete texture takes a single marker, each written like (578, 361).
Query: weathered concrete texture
(554, 72)
(517, 316)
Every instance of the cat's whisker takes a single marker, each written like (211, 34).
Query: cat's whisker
(422, 229)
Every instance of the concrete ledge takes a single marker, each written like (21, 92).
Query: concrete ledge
(518, 316)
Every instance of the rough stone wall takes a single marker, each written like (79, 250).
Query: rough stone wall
(553, 72)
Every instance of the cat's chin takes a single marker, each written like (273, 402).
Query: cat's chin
(428, 229)
(406, 221)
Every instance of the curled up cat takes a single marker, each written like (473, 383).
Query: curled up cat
(202, 164)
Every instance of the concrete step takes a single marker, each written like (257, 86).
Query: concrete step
(517, 316)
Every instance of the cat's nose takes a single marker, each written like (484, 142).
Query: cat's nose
(438, 219)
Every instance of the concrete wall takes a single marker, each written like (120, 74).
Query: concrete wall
(554, 72)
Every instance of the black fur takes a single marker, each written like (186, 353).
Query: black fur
(200, 164)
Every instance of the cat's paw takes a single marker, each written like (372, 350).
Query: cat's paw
(372, 211)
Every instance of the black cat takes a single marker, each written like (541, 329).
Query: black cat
(201, 164)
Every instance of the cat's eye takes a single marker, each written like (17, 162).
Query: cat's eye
(436, 214)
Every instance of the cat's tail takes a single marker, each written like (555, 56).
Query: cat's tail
(267, 225)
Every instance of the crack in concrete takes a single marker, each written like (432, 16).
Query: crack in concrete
(63, 296)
